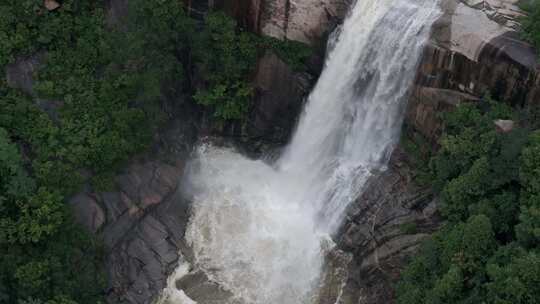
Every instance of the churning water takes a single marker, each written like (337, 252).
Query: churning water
(261, 232)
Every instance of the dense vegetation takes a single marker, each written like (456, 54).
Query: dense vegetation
(96, 102)
(531, 23)
(488, 182)
(489, 186)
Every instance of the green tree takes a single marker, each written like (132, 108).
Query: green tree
(489, 188)
(225, 56)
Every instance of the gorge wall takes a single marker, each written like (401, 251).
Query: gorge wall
(474, 48)
(300, 20)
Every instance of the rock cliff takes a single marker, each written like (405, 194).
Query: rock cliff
(474, 49)
(300, 20)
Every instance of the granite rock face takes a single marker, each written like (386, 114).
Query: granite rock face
(383, 228)
(474, 49)
(300, 20)
(279, 94)
(142, 225)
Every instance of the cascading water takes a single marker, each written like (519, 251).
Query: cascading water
(261, 232)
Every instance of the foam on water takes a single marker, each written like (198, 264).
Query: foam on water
(262, 232)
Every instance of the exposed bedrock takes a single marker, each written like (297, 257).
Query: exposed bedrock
(301, 20)
(474, 49)
(279, 96)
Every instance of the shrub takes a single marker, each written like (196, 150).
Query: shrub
(488, 183)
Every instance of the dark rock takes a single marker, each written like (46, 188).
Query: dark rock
(375, 230)
(144, 240)
(425, 105)
(88, 212)
(280, 94)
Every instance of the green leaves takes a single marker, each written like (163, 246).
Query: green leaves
(531, 23)
(294, 53)
(489, 184)
(225, 57)
(515, 281)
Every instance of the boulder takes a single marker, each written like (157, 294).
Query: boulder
(504, 126)
(51, 5)
(142, 225)
(280, 92)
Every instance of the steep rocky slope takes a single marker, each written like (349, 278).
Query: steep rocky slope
(474, 48)
(301, 20)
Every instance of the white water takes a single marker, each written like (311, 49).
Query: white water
(261, 232)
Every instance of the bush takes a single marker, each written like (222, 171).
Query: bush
(531, 23)
(488, 183)
(108, 86)
(102, 89)
(225, 57)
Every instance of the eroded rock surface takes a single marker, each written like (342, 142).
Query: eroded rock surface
(477, 48)
(383, 228)
(142, 225)
(474, 49)
(300, 20)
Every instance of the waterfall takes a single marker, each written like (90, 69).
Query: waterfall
(261, 232)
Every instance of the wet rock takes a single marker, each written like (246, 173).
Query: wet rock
(383, 228)
(279, 97)
(201, 289)
(144, 235)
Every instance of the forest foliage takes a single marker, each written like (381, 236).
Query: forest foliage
(488, 181)
(488, 184)
(97, 102)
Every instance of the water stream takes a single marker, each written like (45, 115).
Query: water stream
(261, 231)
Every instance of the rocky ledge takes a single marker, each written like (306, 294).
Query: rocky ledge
(475, 49)
(383, 228)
